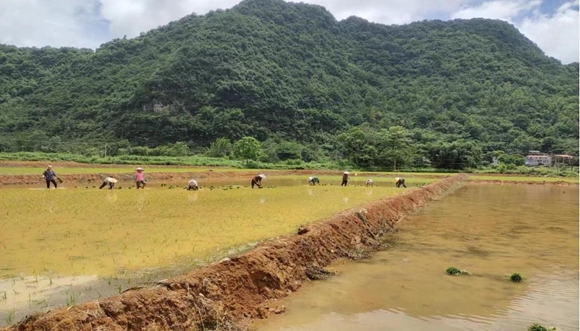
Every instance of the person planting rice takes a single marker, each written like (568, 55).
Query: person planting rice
(50, 177)
(344, 178)
(369, 182)
(313, 181)
(399, 182)
(257, 181)
(140, 178)
(192, 185)
(108, 181)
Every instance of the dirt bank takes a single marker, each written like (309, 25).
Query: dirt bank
(229, 294)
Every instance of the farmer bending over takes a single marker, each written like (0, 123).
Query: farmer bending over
(344, 178)
(140, 178)
(369, 182)
(192, 185)
(108, 181)
(257, 181)
(49, 176)
(400, 181)
(313, 181)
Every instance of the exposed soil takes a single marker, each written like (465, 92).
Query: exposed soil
(8, 180)
(229, 294)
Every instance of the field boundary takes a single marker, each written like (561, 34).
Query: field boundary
(9, 180)
(229, 294)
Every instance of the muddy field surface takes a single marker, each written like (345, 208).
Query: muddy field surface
(159, 176)
(228, 295)
(491, 232)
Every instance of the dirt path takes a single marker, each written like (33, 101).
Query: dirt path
(228, 295)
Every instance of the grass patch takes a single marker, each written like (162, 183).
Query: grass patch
(131, 229)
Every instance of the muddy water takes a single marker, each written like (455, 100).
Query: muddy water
(490, 231)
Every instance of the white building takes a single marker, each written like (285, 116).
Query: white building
(536, 160)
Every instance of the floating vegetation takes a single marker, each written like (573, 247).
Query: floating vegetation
(539, 327)
(516, 278)
(456, 272)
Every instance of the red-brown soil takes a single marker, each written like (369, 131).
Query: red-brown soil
(229, 294)
(8, 180)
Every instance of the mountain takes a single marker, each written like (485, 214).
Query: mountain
(289, 72)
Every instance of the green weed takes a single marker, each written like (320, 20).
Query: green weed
(516, 277)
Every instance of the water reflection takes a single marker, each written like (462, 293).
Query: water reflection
(491, 231)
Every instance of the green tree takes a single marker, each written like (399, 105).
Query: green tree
(220, 148)
(247, 148)
(396, 148)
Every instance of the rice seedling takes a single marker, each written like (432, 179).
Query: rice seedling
(10, 316)
(456, 272)
(539, 327)
(516, 277)
(131, 230)
(70, 299)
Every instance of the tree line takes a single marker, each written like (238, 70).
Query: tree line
(302, 84)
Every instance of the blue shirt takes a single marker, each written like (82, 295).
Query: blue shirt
(49, 175)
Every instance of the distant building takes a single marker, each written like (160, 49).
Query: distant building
(563, 159)
(538, 159)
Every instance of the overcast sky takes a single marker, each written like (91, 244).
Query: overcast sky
(551, 24)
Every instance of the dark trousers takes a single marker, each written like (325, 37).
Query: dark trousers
(105, 184)
(401, 182)
(195, 188)
(50, 181)
(344, 182)
(140, 184)
(256, 183)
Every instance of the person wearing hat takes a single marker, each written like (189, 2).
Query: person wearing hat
(192, 185)
(108, 181)
(257, 181)
(49, 176)
(399, 182)
(140, 178)
(313, 181)
(344, 178)
(369, 182)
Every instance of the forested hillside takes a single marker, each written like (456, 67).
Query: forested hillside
(302, 83)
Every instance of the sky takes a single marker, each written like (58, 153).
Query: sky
(551, 24)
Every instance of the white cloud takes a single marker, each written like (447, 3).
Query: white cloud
(504, 10)
(131, 17)
(556, 34)
(40, 23)
(88, 23)
(391, 11)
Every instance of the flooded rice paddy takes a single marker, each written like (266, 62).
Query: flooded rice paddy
(489, 230)
(78, 243)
